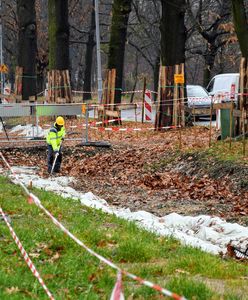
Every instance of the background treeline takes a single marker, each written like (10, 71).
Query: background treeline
(211, 44)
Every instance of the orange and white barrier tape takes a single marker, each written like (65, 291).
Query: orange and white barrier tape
(26, 257)
(36, 200)
(102, 122)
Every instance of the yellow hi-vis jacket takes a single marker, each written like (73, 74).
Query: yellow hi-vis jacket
(54, 137)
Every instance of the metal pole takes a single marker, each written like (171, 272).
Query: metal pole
(1, 48)
(98, 53)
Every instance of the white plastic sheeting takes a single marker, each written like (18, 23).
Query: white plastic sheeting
(29, 130)
(208, 233)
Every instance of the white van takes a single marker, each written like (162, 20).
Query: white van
(223, 88)
(224, 85)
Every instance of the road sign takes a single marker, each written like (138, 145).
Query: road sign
(179, 78)
(83, 109)
(4, 68)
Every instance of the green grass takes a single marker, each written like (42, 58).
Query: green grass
(71, 273)
(221, 150)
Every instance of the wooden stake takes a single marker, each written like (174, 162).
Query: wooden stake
(241, 90)
(159, 99)
(113, 78)
(194, 120)
(143, 101)
(175, 100)
(243, 130)
(135, 111)
(231, 125)
(182, 94)
(180, 138)
(210, 128)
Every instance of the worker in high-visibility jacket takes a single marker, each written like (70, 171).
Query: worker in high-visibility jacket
(54, 139)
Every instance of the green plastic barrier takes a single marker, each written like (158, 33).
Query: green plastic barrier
(225, 123)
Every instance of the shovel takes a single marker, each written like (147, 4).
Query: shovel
(54, 162)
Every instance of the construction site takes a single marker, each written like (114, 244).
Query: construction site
(123, 150)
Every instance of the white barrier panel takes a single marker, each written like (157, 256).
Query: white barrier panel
(14, 110)
(58, 110)
(24, 110)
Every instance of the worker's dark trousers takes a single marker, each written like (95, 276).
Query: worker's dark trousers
(50, 158)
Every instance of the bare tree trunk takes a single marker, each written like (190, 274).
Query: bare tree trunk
(120, 11)
(59, 79)
(89, 57)
(241, 27)
(27, 46)
(173, 37)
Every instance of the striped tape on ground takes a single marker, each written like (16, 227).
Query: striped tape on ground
(26, 257)
(36, 200)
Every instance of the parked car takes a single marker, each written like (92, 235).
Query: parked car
(198, 98)
(224, 85)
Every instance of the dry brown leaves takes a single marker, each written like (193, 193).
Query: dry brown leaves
(129, 165)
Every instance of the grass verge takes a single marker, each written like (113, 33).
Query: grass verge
(71, 273)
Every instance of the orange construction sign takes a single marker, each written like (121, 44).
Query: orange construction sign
(179, 78)
(4, 68)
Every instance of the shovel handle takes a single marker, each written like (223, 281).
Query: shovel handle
(56, 156)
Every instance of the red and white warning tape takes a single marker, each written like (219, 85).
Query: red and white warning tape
(36, 200)
(83, 92)
(103, 122)
(117, 291)
(115, 129)
(132, 92)
(26, 257)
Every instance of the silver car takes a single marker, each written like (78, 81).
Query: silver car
(198, 97)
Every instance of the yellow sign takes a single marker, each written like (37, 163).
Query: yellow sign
(4, 68)
(179, 78)
(83, 109)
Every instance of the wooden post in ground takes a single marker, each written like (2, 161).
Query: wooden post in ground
(243, 130)
(18, 83)
(175, 99)
(210, 125)
(182, 96)
(108, 101)
(180, 137)
(59, 86)
(178, 96)
(135, 111)
(168, 108)
(164, 116)
(194, 120)
(241, 90)
(231, 125)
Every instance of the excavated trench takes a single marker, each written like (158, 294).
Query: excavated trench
(158, 180)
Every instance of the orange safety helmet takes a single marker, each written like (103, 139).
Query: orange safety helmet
(60, 121)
